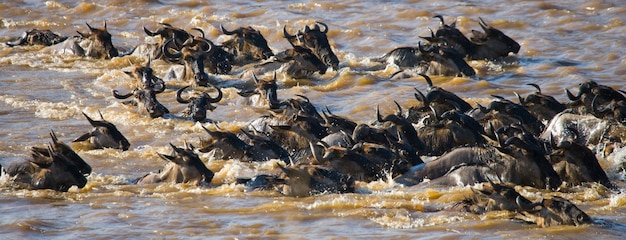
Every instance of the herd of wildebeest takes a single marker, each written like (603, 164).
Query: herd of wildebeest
(533, 141)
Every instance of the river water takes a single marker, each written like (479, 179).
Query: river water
(562, 45)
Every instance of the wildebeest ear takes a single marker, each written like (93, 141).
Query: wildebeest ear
(40, 159)
(83, 137)
(171, 159)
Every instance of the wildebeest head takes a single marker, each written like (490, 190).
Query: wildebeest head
(55, 171)
(248, 44)
(62, 148)
(444, 99)
(492, 43)
(450, 35)
(218, 61)
(303, 181)
(266, 88)
(446, 61)
(576, 163)
(104, 135)
(542, 106)
(198, 105)
(100, 45)
(553, 211)
(146, 101)
(56, 167)
(522, 145)
(37, 37)
(404, 127)
(192, 55)
(507, 112)
(184, 167)
(146, 76)
(166, 32)
(301, 62)
(316, 40)
(545, 212)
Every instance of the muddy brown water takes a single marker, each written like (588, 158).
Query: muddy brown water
(562, 45)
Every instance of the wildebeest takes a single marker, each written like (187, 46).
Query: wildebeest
(449, 130)
(590, 93)
(576, 163)
(219, 61)
(265, 90)
(520, 160)
(199, 103)
(104, 135)
(155, 51)
(247, 45)
(545, 212)
(488, 45)
(244, 147)
(586, 129)
(37, 37)
(96, 44)
(430, 60)
(183, 167)
(146, 101)
(307, 180)
(192, 55)
(503, 112)
(146, 78)
(316, 40)
(56, 167)
(542, 106)
(297, 62)
(363, 161)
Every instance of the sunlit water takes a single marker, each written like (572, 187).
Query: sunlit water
(563, 44)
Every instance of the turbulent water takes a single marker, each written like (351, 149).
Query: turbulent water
(562, 45)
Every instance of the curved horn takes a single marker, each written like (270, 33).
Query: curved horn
(92, 122)
(421, 48)
(208, 43)
(286, 34)
(428, 80)
(536, 87)
(218, 98)
(90, 28)
(284, 169)
(483, 25)
(123, 96)
(595, 110)
(325, 27)
(571, 96)
(434, 112)
(54, 137)
(440, 19)
(521, 100)
(304, 97)
(420, 97)
(482, 108)
(378, 116)
(199, 30)
(167, 53)
(524, 204)
(179, 98)
(229, 32)
(150, 33)
(177, 149)
(318, 158)
(399, 108)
